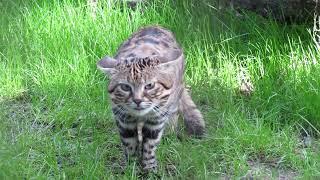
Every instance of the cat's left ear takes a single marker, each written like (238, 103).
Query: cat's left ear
(173, 65)
(107, 65)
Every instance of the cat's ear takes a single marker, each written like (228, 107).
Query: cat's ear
(107, 65)
(173, 65)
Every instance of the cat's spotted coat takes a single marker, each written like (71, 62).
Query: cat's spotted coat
(147, 91)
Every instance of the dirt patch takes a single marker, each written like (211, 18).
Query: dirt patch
(264, 170)
(18, 117)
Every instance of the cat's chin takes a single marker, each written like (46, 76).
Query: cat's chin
(140, 112)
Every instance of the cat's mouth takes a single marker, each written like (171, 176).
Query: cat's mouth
(139, 108)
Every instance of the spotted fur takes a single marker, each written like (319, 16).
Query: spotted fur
(147, 91)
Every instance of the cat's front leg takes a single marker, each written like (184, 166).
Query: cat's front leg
(129, 137)
(152, 133)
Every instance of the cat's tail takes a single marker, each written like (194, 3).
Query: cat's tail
(193, 118)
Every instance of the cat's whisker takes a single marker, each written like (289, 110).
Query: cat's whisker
(160, 113)
(120, 111)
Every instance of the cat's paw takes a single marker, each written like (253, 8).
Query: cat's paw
(150, 168)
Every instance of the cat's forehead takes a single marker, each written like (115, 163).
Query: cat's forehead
(141, 63)
(138, 70)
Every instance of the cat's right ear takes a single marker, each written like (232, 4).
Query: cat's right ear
(107, 65)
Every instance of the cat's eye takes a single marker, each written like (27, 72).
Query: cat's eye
(125, 87)
(149, 86)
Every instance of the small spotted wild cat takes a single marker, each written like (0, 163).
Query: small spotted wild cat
(147, 91)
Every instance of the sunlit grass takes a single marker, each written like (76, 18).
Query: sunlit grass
(54, 110)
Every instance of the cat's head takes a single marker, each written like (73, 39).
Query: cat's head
(142, 85)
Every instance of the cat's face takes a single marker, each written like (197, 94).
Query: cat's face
(142, 86)
(140, 97)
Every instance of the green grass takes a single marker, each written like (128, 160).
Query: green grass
(55, 119)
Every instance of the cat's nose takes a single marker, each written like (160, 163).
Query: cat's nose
(137, 101)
